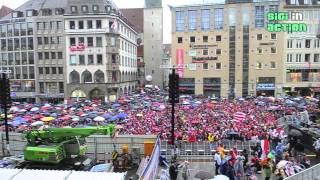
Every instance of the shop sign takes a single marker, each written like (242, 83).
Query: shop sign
(202, 46)
(265, 86)
(204, 58)
(79, 47)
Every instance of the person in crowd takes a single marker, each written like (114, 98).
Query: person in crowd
(173, 170)
(185, 172)
(239, 168)
(217, 160)
(230, 170)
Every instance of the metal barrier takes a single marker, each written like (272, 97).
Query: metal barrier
(312, 173)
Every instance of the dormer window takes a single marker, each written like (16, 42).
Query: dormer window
(14, 14)
(74, 9)
(46, 12)
(108, 8)
(95, 8)
(59, 11)
(84, 9)
(29, 13)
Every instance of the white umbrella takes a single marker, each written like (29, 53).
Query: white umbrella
(22, 110)
(99, 118)
(198, 102)
(14, 109)
(34, 109)
(37, 123)
(220, 177)
(67, 127)
(75, 119)
(82, 115)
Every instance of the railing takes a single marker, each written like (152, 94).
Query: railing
(312, 173)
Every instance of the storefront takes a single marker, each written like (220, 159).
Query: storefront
(265, 89)
(187, 86)
(212, 87)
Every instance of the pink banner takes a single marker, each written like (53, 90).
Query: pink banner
(180, 61)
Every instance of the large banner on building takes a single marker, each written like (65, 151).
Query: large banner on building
(180, 61)
(151, 169)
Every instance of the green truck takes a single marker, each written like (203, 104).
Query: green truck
(53, 145)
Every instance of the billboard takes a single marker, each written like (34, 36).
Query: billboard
(179, 61)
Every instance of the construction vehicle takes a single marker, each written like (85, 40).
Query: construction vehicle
(54, 145)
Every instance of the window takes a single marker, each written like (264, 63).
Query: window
(218, 65)
(46, 40)
(259, 21)
(259, 36)
(30, 28)
(72, 25)
(53, 40)
(90, 59)
(218, 18)
(23, 29)
(289, 58)
(46, 55)
(205, 66)
(54, 70)
(29, 13)
(205, 51)
(47, 70)
(308, 42)
(60, 40)
(40, 56)
(81, 60)
(72, 41)
(98, 41)
(74, 9)
(298, 57)
(289, 43)
(89, 24)
(90, 41)
(298, 43)
(192, 39)
(307, 58)
(218, 38)
(73, 60)
(80, 23)
(113, 58)
(80, 40)
(40, 70)
(41, 87)
(272, 65)
(95, 8)
(317, 41)
(99, 59)
(205, 39)
(84, 9)
(273, 36)
(316, 58)
(39, 39)
(259, 50)
(205, 19)
(192, 20)
(98, 24)
(179, 21)
(61, 87)
(60, 56)
(273, 50)
(46, 12)
(259, 65)
(53, 55)
(59, 25)
(30, 43)
(218, 51)
(179, 40)
(60, 70)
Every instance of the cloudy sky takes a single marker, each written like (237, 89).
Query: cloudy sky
(135, 4)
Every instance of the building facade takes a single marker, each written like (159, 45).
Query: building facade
(152, 40)
(302, 50)
(226, 49)
(61, 49)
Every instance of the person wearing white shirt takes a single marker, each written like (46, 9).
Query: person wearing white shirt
(217, 160)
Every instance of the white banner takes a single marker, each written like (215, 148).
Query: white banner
(151, 169)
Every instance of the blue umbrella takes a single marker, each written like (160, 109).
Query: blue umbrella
(122, 115)
(113, 118)
(116, 105)
(106, 116)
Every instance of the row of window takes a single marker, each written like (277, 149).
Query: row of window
(82, 60)
(273, 50)
(299, 43)
(88, 24)
(128, 47)
(49, 25)
(17, 58)
(205, 66)
(50, 40)
(272, 65)
(16, 44)
(50, 55)
(54, 70)
(49, 87)
(84, 8)
(21, 72)
(205, 39)
(89, 41)
(17, 29)
(306, 58)
(127, 61)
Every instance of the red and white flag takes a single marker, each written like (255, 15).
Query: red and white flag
(239, 116)
(265, 148)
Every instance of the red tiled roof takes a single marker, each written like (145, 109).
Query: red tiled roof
(135, 17)
(4, 11)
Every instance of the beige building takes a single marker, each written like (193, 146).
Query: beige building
(227, 49)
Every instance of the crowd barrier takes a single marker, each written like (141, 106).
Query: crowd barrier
(312, 173)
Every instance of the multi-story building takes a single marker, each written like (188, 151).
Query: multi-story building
(152, 40)
(101, 51)
(68, 49)
(226, 49)
(302, 49)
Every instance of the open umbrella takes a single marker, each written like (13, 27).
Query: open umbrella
(295, 132)
(220, 177)
(99, 119)
(106, 116)
(14, 109)
(37, 123)
(122, 115)
(34, 109)
(47, 119)
(204, 175)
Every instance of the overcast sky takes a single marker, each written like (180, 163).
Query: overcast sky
(135, 4)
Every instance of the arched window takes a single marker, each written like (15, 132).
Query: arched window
(86, 77)
(99, 77)
(74, 77)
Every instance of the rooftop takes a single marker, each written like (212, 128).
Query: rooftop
(4, 10)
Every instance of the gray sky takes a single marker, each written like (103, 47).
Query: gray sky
(135, 4)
